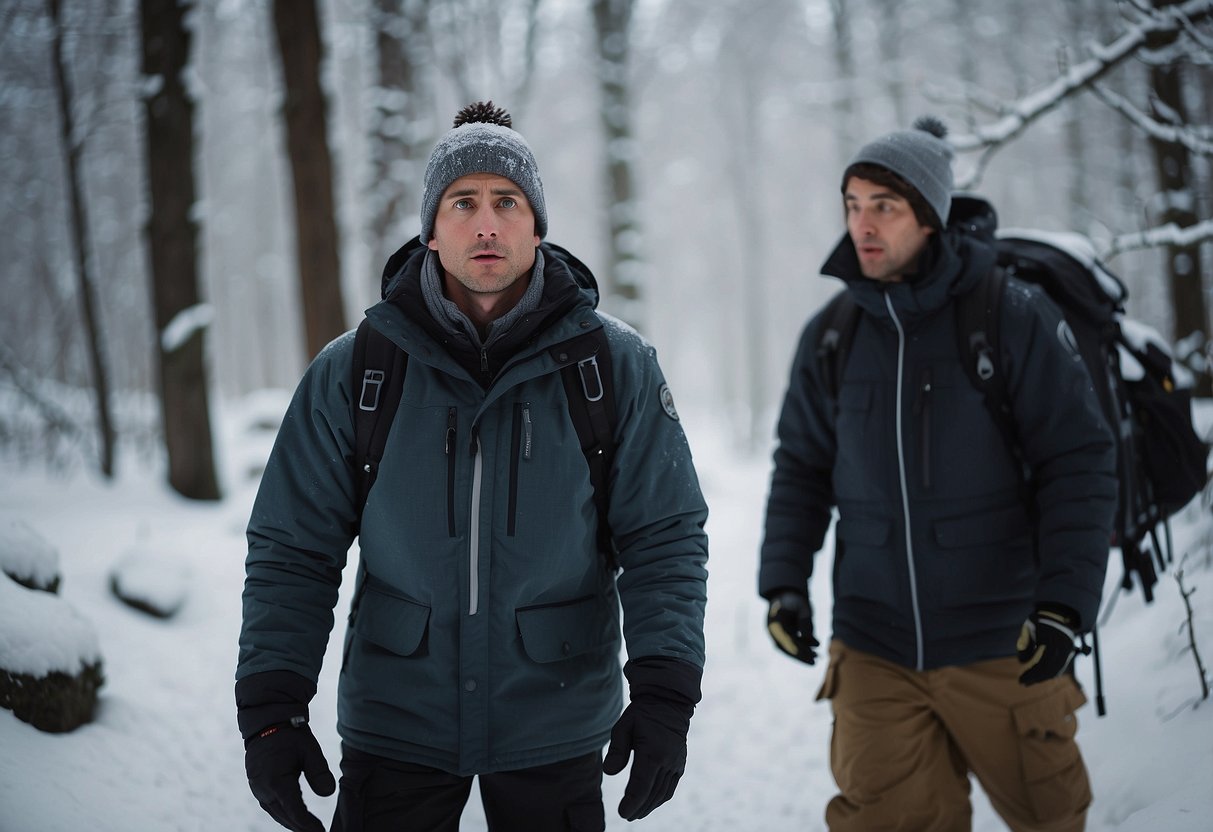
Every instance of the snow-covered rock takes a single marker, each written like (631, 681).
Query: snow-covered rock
(50, 659)
(150, 580)
(27, 557)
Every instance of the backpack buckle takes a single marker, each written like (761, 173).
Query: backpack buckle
(372, 384)
(591, 379)
(985, 355)
(985, 366)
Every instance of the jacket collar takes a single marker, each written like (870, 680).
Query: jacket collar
(951, 264)
(405, 318)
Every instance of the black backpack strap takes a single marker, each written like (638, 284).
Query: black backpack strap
(839, 323)
(980, 349)
(377, 382)
(590, 391)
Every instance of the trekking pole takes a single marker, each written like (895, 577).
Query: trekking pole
(1100, 706)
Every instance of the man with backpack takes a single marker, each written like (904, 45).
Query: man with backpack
(484, 632)
(966, 567)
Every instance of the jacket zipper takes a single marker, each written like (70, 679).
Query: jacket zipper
(450, 472)
(474, 527)
(905, 493)
(520, 449)
(922, 409)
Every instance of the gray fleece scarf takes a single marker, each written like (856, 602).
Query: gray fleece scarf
(452, 319)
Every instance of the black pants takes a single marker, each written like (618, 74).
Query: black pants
(382, 795)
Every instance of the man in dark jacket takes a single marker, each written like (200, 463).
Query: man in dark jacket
(959, 589)
(485, 630)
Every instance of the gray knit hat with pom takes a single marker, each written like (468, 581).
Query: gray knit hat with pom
(921, 156)
(481, 141)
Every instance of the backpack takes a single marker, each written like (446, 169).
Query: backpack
(1160, 460)
(379, 369)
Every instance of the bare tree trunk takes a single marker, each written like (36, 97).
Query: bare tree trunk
(398, 140)
(173, 245)
(1077, 166)
(80, 245)
(486, 48)
(1177, 183)
(612, 21)
(297, 26)
(962, 12)
(891, 37)
(844, 61)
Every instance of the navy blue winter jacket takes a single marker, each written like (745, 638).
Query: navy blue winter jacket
(940, 554)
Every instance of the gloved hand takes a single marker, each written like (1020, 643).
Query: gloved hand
(653, 731)
(273, 760)
(790, 622)
(271, 709)
(1046, 644)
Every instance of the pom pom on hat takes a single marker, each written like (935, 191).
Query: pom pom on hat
(932, 125)
(482, 141)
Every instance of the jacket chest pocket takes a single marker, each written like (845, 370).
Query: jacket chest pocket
(522, 445)
(541, 467)
(415, 492)
(958, 447)
(860, 447)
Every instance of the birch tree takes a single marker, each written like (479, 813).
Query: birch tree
(622, 275)
(401, 131)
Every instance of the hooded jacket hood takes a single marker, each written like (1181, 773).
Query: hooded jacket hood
(567, 282)
(951, 264)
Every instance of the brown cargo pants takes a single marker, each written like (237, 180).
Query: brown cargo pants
(904, 743)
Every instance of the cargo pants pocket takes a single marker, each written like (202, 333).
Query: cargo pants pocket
(829, 685)
(1054, 777)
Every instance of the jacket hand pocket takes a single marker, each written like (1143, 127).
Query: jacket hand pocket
(553, 632)
(396, 624)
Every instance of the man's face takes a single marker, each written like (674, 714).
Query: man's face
(484, 233)
(882, 225)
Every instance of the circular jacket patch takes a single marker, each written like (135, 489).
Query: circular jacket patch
(667, 401)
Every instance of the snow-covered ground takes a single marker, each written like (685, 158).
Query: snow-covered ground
(163, 753)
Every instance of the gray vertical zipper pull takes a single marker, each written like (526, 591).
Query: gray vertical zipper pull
(526, 433)
(450, 431)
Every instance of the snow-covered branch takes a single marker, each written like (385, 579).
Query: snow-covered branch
(1201, 39)
(1164, 235)
(1188, 136)
(1028, 109)
(184, 325)
(56, 418)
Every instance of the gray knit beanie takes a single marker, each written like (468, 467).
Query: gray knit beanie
(481, 142)
(921, 156)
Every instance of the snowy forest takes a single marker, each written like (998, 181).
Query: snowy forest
(198, 195)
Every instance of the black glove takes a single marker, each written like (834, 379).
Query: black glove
(790, 622)
(1046, 644)
(653, 730)
(271, 708)
(273, 760)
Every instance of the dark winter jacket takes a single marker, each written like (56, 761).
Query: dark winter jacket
(484, 634)
(940, 553)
